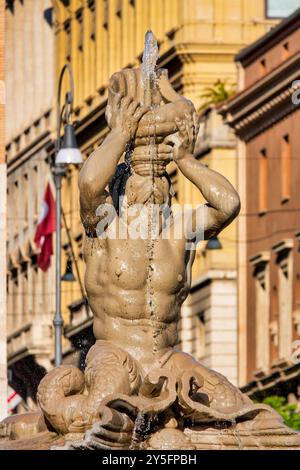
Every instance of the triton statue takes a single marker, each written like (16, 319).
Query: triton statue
(138, 389)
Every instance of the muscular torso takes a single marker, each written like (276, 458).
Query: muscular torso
(135, 291)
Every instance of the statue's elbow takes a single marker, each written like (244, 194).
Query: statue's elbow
(236, 206)
(232, 209)
(86, 183)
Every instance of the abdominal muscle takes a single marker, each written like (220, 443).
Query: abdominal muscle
(136, 336)
(123, 317)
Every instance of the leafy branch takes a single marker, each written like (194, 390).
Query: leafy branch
(289, 412)
(220, 91)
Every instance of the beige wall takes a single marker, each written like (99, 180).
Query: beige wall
(29, 69)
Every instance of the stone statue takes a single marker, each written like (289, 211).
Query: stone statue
(138, 389)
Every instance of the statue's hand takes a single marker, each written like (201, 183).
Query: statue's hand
(128, 114)
(184, 140)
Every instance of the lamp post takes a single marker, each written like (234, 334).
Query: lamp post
(66, 153)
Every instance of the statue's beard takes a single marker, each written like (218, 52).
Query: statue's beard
(147, 190)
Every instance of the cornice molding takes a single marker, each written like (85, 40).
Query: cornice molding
(265, 117)
(19, 159)
(264, 103)
(269, 40)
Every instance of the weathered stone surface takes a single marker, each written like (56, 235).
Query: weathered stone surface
(40, 441)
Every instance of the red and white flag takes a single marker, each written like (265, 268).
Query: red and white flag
(45, 228)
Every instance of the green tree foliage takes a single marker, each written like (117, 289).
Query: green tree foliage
(219, 92)
(289, 412)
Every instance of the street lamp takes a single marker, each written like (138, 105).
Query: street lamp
(214, 244)
(68, 276)
(66, 153)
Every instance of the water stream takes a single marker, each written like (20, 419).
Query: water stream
(149, 79)
(236, 434)
(150, 56)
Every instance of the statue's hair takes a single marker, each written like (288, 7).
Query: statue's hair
(117, 185)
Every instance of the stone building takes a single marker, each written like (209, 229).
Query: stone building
(197, 43)
(266, 117)
(3, 362)
(29, 74)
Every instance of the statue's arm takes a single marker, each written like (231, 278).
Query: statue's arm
(223, 202)
(100, 167)
(94, 177)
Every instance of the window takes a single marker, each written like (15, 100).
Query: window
(25, 198)
(260, 263)
(262, 68)
(10, 5)
(16, 208)
(285, 51)
(119, 8)
(24, 292)
(17, 144)
(105, 14)
(79, 18)
(280, 8)
(7, 225)
(283, 250)
(35, 193)
(285, 168)
(92, 8)
(263, 182)
(67, 28)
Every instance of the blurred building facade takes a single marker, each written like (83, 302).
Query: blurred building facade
(3, 320)
(197, 43)
(30, 80)
(266, 117)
